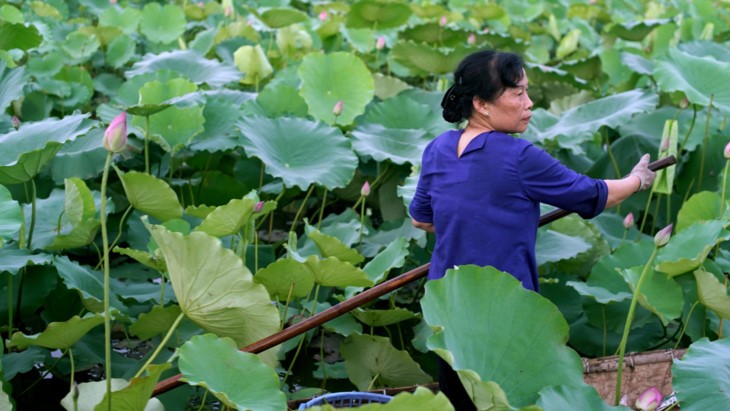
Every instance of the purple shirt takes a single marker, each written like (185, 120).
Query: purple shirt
(485, 205)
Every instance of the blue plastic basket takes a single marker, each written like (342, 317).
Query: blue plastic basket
(346, 399)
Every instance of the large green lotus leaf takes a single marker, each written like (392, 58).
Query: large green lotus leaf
(373, 14)
(26, 151)
(162, 24)
(191, 64)
(424, 60)
(436, 34)
(525, 352)
(331, 272)
(127, 18)
(128, 93)
(703, 206)
(120, 51)
(372, 362)
(712, 293)
(697, 77)
(575, 226)
(282, 99)
(79, 202)
(88, 283)
(330, 78)
(408, 189)
(400, 146)
(600, 294)
(228, 219)
(11, 14)
(393, 256)
(214, 289)
(387, 87)
(563, 397)
(151, 195)
(220, 133)
(381, 318)
(136, 395)
(286, 279)
(13, 260)
(174, 127)
(700, 377)
(659, 292)
(91, 394)
(58, 335)
(404, 112)
(239, 379)
(579, 124)
(300, 152)
(78, 235)
(83, 158)
(552, 246)
(12, 82)
(155, 322)
(277, 18)
(635, 30)
(330, 246)
(18, 36)
(11, 217)
(688, 249)
(612, 229)
(80, 46)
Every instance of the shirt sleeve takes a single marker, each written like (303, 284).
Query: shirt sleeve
(420, 207)
(548, 181)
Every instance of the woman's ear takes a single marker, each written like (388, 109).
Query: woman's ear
(480, 106)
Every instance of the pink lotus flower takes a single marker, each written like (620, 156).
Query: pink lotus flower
(662, 237)
(258, 207)
(649, 400)
(380, 43)
(365, 190)
(323, 16)
(115, 136)
(337, 109)
(727, 150)
(443, 20)
(471, 39)
(629, 221)
(228, 11)
(16, 122)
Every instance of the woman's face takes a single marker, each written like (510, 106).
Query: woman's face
(511, 111)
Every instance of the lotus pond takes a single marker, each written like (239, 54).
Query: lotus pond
(257, 169)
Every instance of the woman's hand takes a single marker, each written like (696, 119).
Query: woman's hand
(428, 227)
(641, 171)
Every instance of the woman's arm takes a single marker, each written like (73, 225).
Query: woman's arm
(620, 190)
(428, 227)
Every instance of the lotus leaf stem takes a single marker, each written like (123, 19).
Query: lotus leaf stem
(691, 127)
(202, 401)
(627, 326)
(362, 221)
(301, 341)
(107, 310)
(686, 323)
(286, 306)
(299, 211)
(372, 382)
(10, 304)
(161, 345)
(32, 213)
(704, 143)
(147, 145)
(646, 209)
(321, 209)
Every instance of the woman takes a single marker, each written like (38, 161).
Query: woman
(480, 188)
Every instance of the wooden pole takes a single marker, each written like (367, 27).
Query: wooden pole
(362, 298)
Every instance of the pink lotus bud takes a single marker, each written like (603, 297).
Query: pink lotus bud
(258, 207)
(112, 1)
(684, 103)
(726, 152)
(665, 144)
(624, 400)
(662, 237)
(629, 221)
(365, 190)
(471, 39)
(228, 11)
(443, 20)
(323, 16)
(380, 43)
(201, 4)
(337, 109)
(649, 400)
(115, 136)
(16, 122)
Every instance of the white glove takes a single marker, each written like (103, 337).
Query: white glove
(641, 170)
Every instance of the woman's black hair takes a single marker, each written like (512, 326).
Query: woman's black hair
(485, 74)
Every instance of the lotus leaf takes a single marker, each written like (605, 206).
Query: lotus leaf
(330, 246)
(204, 41)
(696, 77)
(80, 46)
(48, 66)
(142, 257)
(18, 36)
(286, 279)
(11, 14)
(688, 249)
(382, 318)
(228, 219)
(278, 99)
(150, 195)
(162, 24)
(331, 272)
(435, 34)
(568, 44)
(613, 231)
(83, 158)
(253, 63)
(11, 217)
(413, 115)
(27, 151)
(424, 60)
(157, 321)
(600, 294)
(78, 235)
(12, 260)
(378, 14)
(393, 256)
(421, 399)
(712, 293)
(344, 325)
(563, 397)
(220, 132)
(214, 289)
(58, 335)
(277, 18)
(659, 292)
(120, 51)
(387, 87)
(408, 189)
(635, 30)
(91, 395)
(552, 246)
(605, 273)
(190, 64)
(700, 377)
(301, 152)
(399, 146)
(330, 78)
(372, 362)
(126, 18)
(12, 82)
(294, 41)
(703, 206)
(136, 395)
(238, 379)
(525, 352)
(128, 93)
(88, 283)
